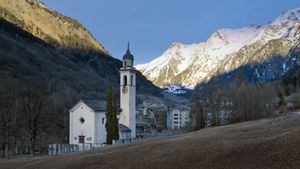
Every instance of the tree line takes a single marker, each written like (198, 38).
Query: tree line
(238, 102)
(30, 115)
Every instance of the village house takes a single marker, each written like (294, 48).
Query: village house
(178, 117)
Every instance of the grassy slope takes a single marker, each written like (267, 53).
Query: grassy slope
(268, 143)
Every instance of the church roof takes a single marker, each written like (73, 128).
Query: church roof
(96, 105)
(124, 128)
(128, 55)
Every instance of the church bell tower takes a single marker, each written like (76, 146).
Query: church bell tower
(128, 93)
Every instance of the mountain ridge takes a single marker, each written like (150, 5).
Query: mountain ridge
(189, 65)
(48, 25)
(87, 55)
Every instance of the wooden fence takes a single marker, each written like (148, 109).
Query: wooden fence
(58, 149)
(23, 151)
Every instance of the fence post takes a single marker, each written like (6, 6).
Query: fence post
(57, 149)
(49, 150)
(62, 149)
(52, 149)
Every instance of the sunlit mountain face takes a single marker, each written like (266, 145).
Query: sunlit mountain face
(226, 50)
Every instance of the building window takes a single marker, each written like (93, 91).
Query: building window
(102, 120)
(176, 122)
(131, 80)
(82, 120)
(75, 138)
(175, 118)
(125, 64)
(125, 80)
(89, 139)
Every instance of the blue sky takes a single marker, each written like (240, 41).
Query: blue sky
(153, 25)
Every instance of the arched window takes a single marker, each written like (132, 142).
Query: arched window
(125, 80)
(131, 80)
(125, 64)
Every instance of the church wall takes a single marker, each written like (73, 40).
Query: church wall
(133, 111)
(77, 128)
(128, 101)
(100, 127)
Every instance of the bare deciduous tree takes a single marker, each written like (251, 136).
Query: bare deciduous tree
(197, 115)
(6, 103)
(238, 102)
(34, 101)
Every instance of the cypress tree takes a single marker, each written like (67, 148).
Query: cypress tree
(111, 124)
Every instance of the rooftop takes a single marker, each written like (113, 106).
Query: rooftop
(96, 105)
(124, 128)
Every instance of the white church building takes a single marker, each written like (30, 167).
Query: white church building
(87, 117)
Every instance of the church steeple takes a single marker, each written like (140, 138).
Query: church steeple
(128, 94)
(128, 58)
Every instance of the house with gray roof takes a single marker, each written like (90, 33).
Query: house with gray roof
(87, 123)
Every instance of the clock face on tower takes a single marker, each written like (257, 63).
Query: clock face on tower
(124, 89)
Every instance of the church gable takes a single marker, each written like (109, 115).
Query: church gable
(80, 105)
(93, 105)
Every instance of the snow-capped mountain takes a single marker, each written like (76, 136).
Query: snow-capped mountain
(225, 50)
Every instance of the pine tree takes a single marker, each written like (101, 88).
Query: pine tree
(111, 124)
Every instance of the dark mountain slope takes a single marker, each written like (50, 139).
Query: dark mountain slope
(24, 56)
(68, 71)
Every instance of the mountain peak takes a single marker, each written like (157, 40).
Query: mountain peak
(287, 16)
(228, 35)
(176, 44)
(292, 11)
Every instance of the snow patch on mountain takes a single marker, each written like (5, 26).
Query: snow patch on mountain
(227, 41)
(175, 90)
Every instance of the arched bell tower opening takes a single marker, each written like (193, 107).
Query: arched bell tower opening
(131, 80)
(128, 93)
(125, 80)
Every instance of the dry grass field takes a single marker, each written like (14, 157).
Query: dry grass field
(264, 144)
